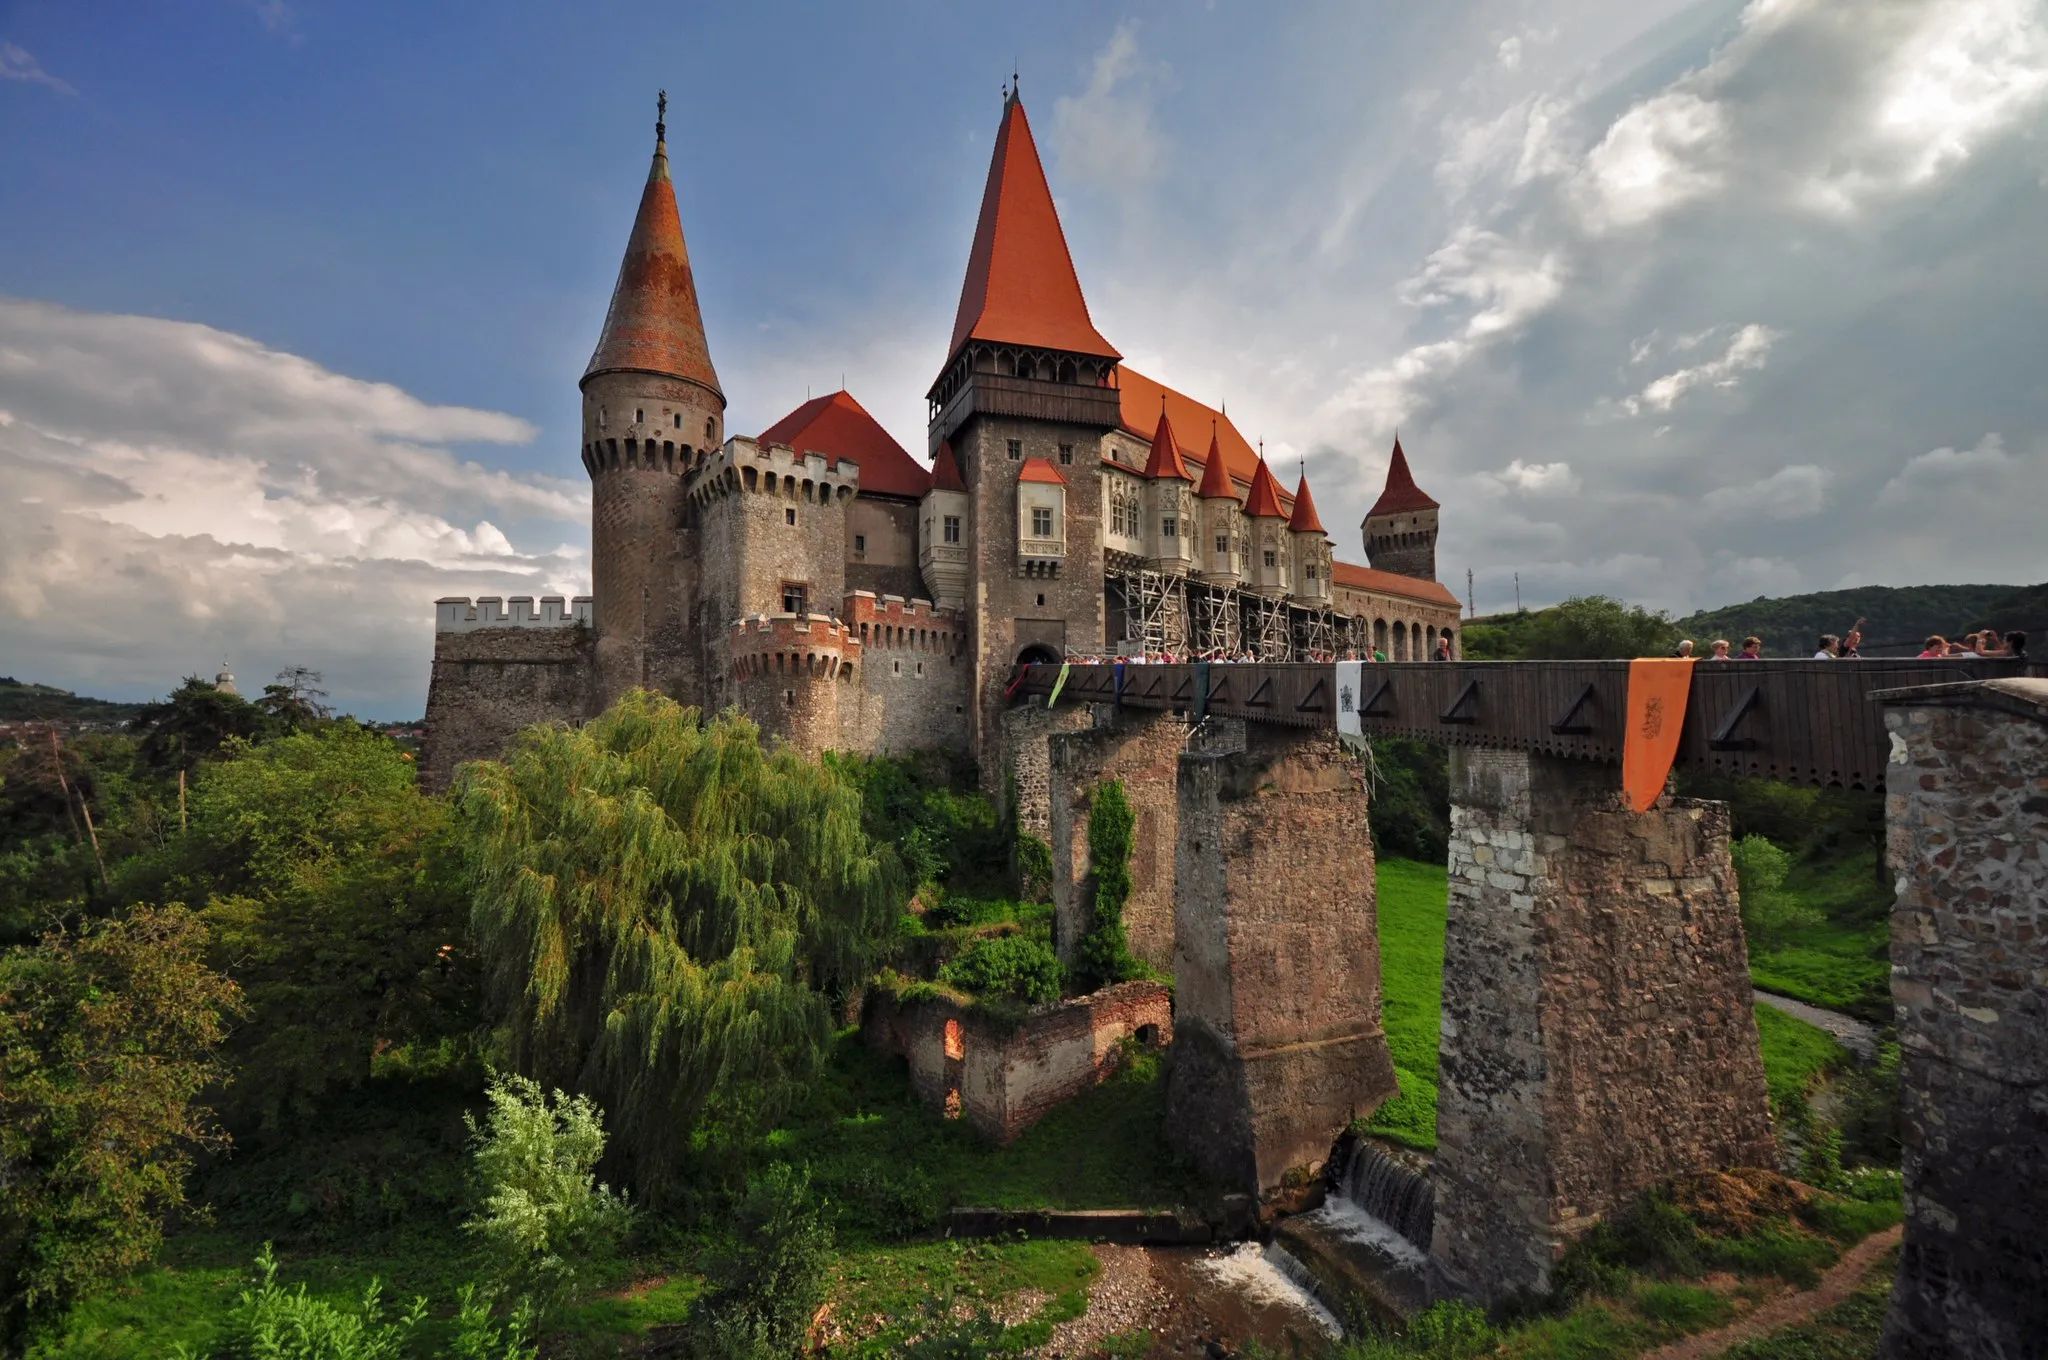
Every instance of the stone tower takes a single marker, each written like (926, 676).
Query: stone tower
(1400, 529)
(652, 408)
(1024, 400)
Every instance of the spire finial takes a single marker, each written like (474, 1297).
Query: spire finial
(661, 116)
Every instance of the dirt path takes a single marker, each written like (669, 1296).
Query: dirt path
(1839, 1283)
(1858, 1036)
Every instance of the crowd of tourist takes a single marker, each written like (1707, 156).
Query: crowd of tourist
(1983, 643)
(1168, 657)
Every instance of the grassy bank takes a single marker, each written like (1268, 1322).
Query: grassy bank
(1411, 909)
(1841, 957)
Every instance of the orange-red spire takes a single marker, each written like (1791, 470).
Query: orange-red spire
(1305, 520)
(1021, 288)
(1216, 483)
(1165, 460)
(1263, 501)
(1401, 493)
(946, 469)
(654, 324)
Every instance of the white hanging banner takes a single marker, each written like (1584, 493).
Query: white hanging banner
(1350, 700)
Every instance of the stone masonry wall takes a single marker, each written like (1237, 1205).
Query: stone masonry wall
(490, 682)
(1024, 760)
(1967, 811)
(1143, 750)
(1276, 958)
(1598, 1031)
(1007, 1080)
(911, 692)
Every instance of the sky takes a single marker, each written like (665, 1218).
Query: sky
(1685, 303)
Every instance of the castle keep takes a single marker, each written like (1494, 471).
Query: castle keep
(845, 595)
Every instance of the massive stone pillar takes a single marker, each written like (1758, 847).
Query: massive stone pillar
(1598, 1033)
(1143, 750)
(1966, 805)
(1276, 1003)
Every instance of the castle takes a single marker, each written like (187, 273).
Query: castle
(846, 596)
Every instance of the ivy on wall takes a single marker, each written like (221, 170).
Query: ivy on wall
(1103, 955)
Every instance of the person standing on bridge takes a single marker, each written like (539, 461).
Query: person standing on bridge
(1720, 650)
(1684, 648)
(1830, 647)
(1752, 649)
(1937, 646)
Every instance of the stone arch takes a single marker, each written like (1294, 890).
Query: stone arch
(1038, 654)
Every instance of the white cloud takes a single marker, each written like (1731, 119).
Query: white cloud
(177, 493)
(1105, 135)
(1940, 473)
(1748, 350)
(1659, 155)
(1795, 492)
(1538, 478)
(17, 64)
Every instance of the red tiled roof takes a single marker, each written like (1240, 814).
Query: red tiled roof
(837, 426)
(654, 324)
(1264, 500)
(1304, 520)
(1038, 470)
(1216, 483)
(1401, 493)
(946, 469)
(1390, 583)
(1165, 460)
(1021, 288)
(1139, 403)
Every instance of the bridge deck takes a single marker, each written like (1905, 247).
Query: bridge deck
(1805, 722)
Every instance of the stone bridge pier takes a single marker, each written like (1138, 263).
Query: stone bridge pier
(1276, 1008)
(1966, 812)
(1598, 1031)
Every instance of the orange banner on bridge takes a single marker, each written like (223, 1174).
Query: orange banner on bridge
(1657, 691)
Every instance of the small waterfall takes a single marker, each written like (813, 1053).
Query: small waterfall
(1404, 1200)
(1270, 1276)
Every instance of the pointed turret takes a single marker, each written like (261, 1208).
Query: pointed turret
(1305, 520)
(1216, 483)
(1400, 493)
(1021, 288)
(654, 324)
(946, 470)
(1165, 460)
(1263, 501)
(1400, 529)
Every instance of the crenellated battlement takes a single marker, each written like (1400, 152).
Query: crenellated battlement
(460, 614)
(892, 621)
(772, 470)
(793, 645)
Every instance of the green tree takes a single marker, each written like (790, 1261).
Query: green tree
(194, 722)
(107, 1037)
(666, 910)
(764, 1283)
(1770, 916)
(543, 1213)
(1103, 954)
(1597, 628)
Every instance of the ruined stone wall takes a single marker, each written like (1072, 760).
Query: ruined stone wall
(1024, 759)
(1598, 1031)
(1279, 1042)
(881, 547)
(490, 682)
(1143, 750)
(1007, 1080)
(1967, 823)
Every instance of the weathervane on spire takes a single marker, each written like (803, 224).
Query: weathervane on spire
(661, 116)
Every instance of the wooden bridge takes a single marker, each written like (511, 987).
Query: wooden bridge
(1804, 722)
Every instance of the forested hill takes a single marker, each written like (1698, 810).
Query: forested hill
(21, 701)
(1897, 615)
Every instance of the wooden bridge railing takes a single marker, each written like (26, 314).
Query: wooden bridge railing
(1805, 722)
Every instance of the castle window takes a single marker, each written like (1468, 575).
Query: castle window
(679, 420)
(1223, 543)
(639, 416)
(920, 668)
(1041, 601)
(710, 431)
(1170, 527)
(860, 542)
(793, 597)
(1066, 453)
(789, 515)
(899, 668)
(1311, 571)
(1041, 521)
(952, 528)
(789, 698)
(600, 417)
(1016, 448)
(1270, 558)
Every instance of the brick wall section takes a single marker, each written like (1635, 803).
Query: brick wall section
(1598, 1030)
(1276, 961)
(1967, 822)
(490, 682)
(1143, 750)
(1010, 1079)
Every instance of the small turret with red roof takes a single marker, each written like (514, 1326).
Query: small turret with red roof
(1312, 556)
(1400, 529)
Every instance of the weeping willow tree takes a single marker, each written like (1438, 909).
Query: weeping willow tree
(666, 911)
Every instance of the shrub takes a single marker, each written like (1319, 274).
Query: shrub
(1103, 954)
(543, 1213)
(765, 1282)
(1770, 916)
(1014, 966)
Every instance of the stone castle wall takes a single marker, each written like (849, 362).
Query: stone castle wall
(1143, 750)
(881, 548)
(912, 690)
(1598, 1032)
(1967, 825)
(488, 682)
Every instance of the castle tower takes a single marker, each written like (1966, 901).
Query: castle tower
(1270, 571)
(1024, 399)
(1312, 555)
(652, 407)
(1221, 549)
(1171, 529)
(942, 540)
(1400, 529)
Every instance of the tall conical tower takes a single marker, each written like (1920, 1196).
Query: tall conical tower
(1026, 394)
(1400, 529)
(651, 408)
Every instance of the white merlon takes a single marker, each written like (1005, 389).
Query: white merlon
(459, 614)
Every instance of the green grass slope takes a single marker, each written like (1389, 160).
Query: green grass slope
(1411, 910)
(21, 701)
